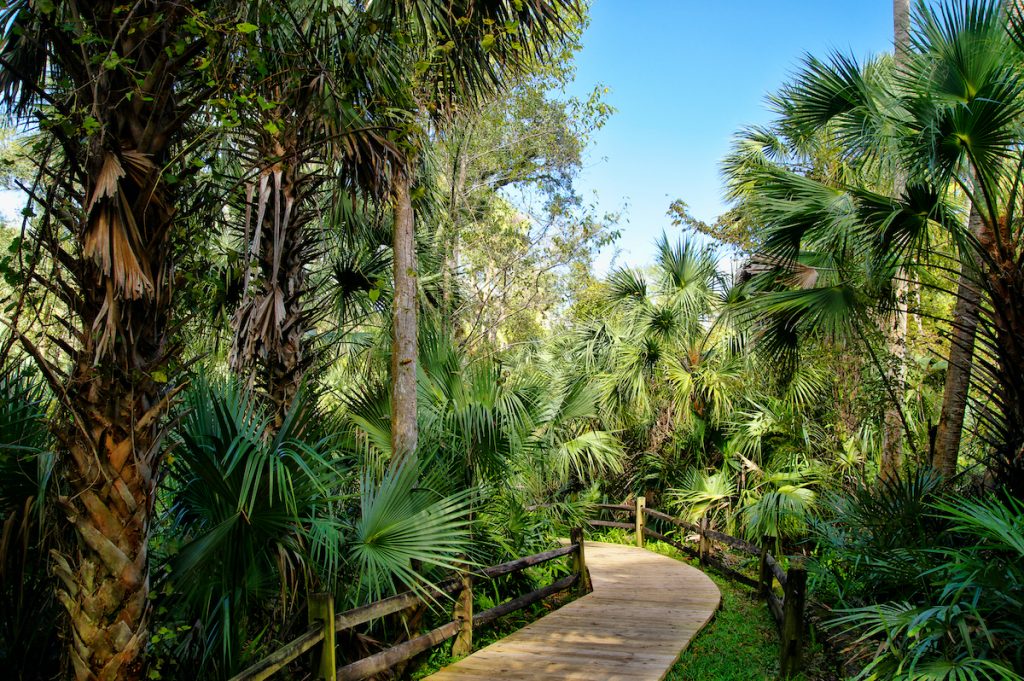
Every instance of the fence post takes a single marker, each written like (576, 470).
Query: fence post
(641, 503)
(764, 575)
(320, 608)
(579, 563)
(463, 644)
(704, 547)
(793, 618)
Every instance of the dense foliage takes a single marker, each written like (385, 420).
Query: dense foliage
(304, 300)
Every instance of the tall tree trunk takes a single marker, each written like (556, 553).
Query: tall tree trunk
(111, 242)
(113, 398)
(892, 429)
(404, 345)
(271, 319)
(961, 359)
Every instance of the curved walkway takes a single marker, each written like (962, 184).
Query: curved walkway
(643, 612)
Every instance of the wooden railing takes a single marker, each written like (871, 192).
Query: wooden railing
(788, 611)
(324, 624)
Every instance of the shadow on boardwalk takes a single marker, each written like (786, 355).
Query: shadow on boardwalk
(643, 612)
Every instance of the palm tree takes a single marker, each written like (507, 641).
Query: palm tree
(108, 113)
(951, 118)
(307, 141)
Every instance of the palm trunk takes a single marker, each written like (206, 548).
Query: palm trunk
(961, 358)
(403, 352)
(114, 398)
(116, 274)
(271, 319)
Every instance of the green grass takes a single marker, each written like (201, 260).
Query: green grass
(740, 643)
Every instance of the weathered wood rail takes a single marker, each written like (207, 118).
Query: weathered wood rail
(788, 611)
(324, 624)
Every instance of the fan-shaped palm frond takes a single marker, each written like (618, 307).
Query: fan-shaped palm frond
(402, 523)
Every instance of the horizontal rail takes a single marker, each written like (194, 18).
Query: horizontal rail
(616, 507)
(525, 600)
(283, 656)
(375, 664)
(776, 569)
(671, 519)
(528, 561)
(391, 605)
(611, 523)
(734, 542)
(672, 542)
(369, 666)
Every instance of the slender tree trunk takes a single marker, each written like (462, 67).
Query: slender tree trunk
(404, 346)
(892, 429)
(961, 359)
(901, 29)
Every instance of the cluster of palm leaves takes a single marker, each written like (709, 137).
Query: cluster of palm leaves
(255, 517)
(886, 187)
(26, 477)
(926, 584)
(842, 254)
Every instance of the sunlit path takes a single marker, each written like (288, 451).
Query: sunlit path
(644, 610)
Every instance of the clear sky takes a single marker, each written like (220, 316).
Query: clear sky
(687, 74)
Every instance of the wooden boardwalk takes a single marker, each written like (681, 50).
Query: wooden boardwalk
(643, 612)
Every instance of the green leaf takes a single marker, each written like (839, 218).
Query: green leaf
(488, 41)
(246, 27)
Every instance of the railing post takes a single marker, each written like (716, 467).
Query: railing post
(764, 575)
(579, 563)
(703, 548)
(793, 618)
(463, 644)
(641, 503)
(321, 609)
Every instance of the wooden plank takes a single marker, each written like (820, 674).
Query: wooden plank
(776, 569)
(611, 523)
(644, 610)
(386, 659)
(615, 507)
(672, 542)
(392, 604)
(523, 601)
(734, 542)
(277, 660)
(522, 563)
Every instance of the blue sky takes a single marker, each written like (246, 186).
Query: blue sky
(684, 76)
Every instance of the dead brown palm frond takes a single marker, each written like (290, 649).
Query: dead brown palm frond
(113, 239)
(794, 273)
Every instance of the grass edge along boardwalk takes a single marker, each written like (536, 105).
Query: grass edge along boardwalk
(644, 610)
